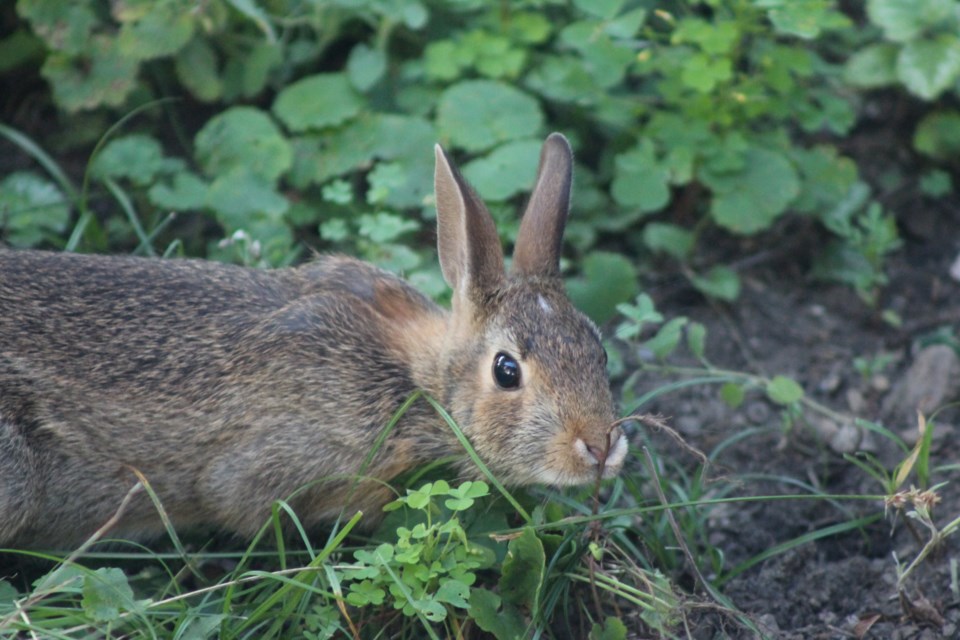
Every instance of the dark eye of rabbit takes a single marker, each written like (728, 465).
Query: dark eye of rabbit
(506, 371)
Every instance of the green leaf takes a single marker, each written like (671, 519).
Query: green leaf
(64, 26)
(639, 180)
(318, 101)
(196, 65)
(106, 594)
(666, 339)
(478, 114)
(384, 227)
(611, 629)
(161, 31)
(255, 14)
(784, 391)
(506, 171)
(7, 595)
(187, 192)
(365, 66)
(714, 38)
(453, 592)
(936, 183)
(719, 282)
(703, 73)
(605, 9)
(485, 610)
(239, 195)
(750, 200)
(671, 239)
(803, 18)
(872, 67)
(136, 157)
(938, 135)
(32, 209)
(102, 76)
(697, 339)
(243, 137)
(732, 394)
(523, 570)
(905, 20)
(608, 279)
(928, 67)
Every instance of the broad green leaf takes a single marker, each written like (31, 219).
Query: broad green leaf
(257, 65)
(938, 135)
(318, 101)
(828, 178)
(905, 20)
(186, 192)
(136, 157)
(928, 67)
(639, 180)
(64, 26)
(252, 10)
(803, 18)
(365, 66)
(605, 9)
(564, 78)
(478, 114)
(506, 624)
(671, 239)
(101, 77)
(626, 25)
(196, 66)
(611, 629)
(608, 279)
(703, 73)
(872, 67)
(506, 171)
(106, 594)
(605, 59)
(732, 394)
(7, 595)
(666, 339)
(719, 282)
(936, 183)
(239, 195)
(454, 592)
(523, 570)
(384, 227)
(32, 209)
(162, 31)
(784, 391)
(714, 38)
(243, 137)
(750, 200)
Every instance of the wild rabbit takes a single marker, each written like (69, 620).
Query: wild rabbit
(229, 387)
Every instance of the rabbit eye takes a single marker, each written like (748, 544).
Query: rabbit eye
(506, 371)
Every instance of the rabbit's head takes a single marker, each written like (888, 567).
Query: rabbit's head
(524, 372)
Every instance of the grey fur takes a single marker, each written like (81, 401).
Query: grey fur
(229, 388)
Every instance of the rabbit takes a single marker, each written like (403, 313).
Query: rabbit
(229, 388)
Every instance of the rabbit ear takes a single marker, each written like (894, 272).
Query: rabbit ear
(537, 252)
(471, 257)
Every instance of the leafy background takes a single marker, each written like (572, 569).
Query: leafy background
(250, 131)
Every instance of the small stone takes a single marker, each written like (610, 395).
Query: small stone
(880, 383)
(855, 401)
(830, 383)
(826, 428)
(846, 439)
(955, 269)
(932, 381)
(768, 624)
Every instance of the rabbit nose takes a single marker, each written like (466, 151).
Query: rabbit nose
(611, 453)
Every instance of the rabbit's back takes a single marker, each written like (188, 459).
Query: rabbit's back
(226, 386)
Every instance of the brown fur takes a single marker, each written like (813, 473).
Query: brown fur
(229, 388)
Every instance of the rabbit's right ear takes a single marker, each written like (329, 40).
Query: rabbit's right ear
(471, 257)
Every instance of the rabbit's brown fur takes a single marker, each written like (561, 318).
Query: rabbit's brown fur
(229, 388)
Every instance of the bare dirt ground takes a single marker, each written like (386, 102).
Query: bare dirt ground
(840, 586)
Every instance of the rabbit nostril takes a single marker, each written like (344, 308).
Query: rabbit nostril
(597, 453)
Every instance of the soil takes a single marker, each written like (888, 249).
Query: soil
(839, 586)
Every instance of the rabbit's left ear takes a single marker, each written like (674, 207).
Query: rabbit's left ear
(471, 257)
(537, 252)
